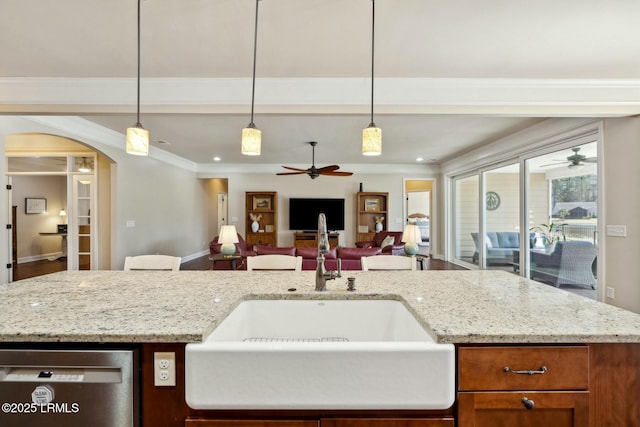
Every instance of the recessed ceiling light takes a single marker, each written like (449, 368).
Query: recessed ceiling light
(216, 158)
(419, 159)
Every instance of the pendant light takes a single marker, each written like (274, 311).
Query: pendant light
(137, 136)
(372, 135)
(251, 135)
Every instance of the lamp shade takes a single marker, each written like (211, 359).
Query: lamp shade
(63, 212)
(372, 141)
(138, 140)
(251, 140)
(411, 237)
(228, 238)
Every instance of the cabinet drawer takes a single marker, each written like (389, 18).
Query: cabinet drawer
(493, 368)
(548, 409)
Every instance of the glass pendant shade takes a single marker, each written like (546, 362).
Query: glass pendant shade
(138, 140)
(372, 141)
(251, 140)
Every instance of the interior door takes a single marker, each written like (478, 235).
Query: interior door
(82, 224)
(12, 242)
(223, 208)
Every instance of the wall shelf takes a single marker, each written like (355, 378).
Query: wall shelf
(370, 205)
(264, 204)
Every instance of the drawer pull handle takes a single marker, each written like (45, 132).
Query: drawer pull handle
(528, 403)
(542, 370)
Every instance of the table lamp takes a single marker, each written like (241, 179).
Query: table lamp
(228, 238)
(410, 237)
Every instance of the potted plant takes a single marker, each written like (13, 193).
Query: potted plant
(550, 235)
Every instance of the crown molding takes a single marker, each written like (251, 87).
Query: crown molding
(538, 97)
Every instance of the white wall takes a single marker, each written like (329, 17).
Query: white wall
(167, 204)
(621, 206)
(323, 186)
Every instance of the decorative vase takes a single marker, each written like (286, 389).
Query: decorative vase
(255, 226)
(549, 247)
(378, 227)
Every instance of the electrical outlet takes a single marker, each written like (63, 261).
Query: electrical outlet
(164, 369)
(610, 292)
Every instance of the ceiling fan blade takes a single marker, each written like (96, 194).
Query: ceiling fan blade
(295, 169)
(314, 172)
(336, 173)
(328, 168)
(591, 160)
(291, 173)
(552, 164)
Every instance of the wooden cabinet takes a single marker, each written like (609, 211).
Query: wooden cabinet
(387, 422)
(523, 386)
(487, 396)
(327, 422)
(251, 423)
(262, 205)
(310, 240)
(371, 205)
(549, 409)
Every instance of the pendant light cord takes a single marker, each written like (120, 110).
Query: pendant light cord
(373, 25)
(255, 45)
(138, 103)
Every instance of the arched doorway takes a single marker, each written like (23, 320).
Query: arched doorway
(60, 175)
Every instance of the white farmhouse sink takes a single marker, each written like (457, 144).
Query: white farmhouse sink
(320, 354)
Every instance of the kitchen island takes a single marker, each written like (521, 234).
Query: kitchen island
(475, 310)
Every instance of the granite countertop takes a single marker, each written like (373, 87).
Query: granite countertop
(185, 306)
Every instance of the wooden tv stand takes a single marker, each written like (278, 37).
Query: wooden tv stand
(310, 240)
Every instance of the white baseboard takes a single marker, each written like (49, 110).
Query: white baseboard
(40, 257)
(196, 255)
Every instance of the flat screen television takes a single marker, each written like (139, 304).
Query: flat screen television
(303, 214)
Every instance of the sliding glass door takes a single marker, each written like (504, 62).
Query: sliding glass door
(536, 216)
(563, 206)
(501, 212)
(466, 219)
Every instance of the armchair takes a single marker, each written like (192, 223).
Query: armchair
(570, 263)
(397, 248)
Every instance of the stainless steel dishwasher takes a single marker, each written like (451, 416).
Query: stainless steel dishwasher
(68, 388)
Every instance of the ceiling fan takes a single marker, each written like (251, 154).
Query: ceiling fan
(313, 171)
(575, 160)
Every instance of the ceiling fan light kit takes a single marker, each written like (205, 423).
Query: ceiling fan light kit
(137, 136)
(252, 136)
(372, 135)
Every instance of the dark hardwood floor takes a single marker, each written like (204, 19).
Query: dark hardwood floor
(39, 268)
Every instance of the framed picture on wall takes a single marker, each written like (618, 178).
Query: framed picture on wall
(262, 203)
(35, 205)
(371, 205)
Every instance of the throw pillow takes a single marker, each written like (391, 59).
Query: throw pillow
(389, 240)
(487, 242)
